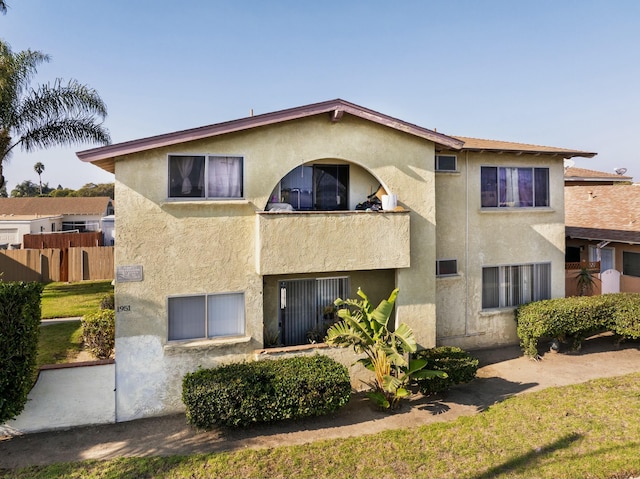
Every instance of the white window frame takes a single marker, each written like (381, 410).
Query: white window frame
(455, 163)
(207, 157)
(210, 309)
(439, 263)
(529, 287)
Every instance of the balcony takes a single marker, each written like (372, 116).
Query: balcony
(325, 241)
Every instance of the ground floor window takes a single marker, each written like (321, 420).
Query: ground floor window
(630, 263)
(511, 285)
(206, 316)
(307, 310)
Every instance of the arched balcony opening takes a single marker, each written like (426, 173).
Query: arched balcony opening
(326, 185)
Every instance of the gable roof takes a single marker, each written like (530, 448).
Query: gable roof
(603, 212)
(335, 109)
(585, 175)
(44, 206)
(481, 145)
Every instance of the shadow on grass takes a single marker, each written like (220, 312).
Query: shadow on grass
(525, 461)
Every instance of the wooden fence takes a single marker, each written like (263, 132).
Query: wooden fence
(53, 264)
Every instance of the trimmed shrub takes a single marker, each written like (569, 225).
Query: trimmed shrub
(573, 319)
(98, 333)
(459, 365)
(241, 394)
(19, 331)
(108, 301)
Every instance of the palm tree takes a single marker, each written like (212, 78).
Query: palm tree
(3, 7)
(39, 168)
(45, 116)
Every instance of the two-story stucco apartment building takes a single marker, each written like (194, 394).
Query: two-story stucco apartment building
(237, 236)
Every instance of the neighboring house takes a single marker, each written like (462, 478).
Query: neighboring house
(603, 225)
(238, 236)
(14, 227)
(20, 216)
(582, 177)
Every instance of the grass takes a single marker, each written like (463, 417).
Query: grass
(59, 343)
(589, 430)
(65, 300)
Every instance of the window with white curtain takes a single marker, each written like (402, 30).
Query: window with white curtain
(512, 285)
(511, 187)
(203, 176)
(206, 316)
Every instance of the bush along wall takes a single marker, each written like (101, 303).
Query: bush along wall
(241, 394)
(459, 365)
(19, 331)
(573, 319)
(99, 333)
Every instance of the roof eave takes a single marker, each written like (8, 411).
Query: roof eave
(566, 154)
(104, 156)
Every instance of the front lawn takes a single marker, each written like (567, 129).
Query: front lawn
(59, 343)
(588, 430)
(65, 300)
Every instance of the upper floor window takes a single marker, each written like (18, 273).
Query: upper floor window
(446, 163)
(514, 187)
(205, 176)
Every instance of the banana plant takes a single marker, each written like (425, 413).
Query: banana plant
(366, 330)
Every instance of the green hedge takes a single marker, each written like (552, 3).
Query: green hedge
(575, 318)
(19, 331)
(98, 333)
(240, 394)
(459, 365)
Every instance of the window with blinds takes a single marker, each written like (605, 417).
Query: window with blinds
(206, 316)
(512, 285)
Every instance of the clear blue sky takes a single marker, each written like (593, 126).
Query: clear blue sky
(560, 73)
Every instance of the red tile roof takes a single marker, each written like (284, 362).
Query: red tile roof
(603, 212)
(581, 173)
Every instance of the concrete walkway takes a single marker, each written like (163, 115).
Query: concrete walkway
(504, 372)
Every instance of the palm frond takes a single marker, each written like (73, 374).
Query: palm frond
(64, 132)
(51, 102)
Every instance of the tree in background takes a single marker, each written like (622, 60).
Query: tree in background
(47, 115)
(3, 192)
(101, 189)
(29, 189)
(60, 192)
(39, 168)
(3, 7)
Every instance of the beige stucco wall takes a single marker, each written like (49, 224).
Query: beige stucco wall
(479, 237)
(197, 247)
